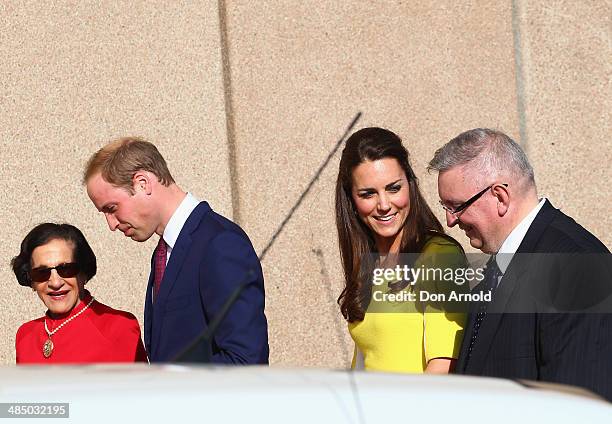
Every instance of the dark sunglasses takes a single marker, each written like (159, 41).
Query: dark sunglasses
(67, 270)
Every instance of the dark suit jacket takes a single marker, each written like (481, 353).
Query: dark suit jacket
(211, 258)
(533, 332)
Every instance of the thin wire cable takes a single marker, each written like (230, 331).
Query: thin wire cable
(314, 179)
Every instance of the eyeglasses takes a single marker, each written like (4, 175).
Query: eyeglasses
(67, 270)
(468, 202)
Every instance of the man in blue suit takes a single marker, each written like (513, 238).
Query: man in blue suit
(202, 259)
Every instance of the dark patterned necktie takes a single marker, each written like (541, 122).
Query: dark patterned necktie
(491, 277)
(159, 264)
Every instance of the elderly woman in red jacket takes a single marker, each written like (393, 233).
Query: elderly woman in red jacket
(56, 262)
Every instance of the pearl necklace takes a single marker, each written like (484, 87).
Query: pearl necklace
(48, 345)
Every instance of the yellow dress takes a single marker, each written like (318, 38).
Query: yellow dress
(402, 336)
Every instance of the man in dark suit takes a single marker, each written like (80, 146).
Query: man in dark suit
(541, 322)
(201, 260)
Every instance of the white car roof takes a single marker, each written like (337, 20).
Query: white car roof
(176, 393)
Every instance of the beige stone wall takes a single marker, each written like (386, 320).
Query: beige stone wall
(566, 50)
(246, 100)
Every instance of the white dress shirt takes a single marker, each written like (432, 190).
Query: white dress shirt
(177, 221)
(515, 238)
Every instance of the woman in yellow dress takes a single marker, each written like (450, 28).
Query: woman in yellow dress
(385, 224)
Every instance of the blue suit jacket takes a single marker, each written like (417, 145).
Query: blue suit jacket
(211, 258)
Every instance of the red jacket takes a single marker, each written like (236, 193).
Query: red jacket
(100, 334)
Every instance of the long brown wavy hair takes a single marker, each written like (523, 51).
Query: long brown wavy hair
(355, 239)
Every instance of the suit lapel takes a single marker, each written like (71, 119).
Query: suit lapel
(148, 310)
(507, 289)
(538, 227)
(508, 285)
(175, 263)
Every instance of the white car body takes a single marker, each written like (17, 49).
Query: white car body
(176, 394)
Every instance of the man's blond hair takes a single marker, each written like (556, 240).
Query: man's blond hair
(120, 159)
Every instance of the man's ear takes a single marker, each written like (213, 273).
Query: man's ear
(142, 182)
(502, 195)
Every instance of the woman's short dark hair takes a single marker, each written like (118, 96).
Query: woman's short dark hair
(43, 234)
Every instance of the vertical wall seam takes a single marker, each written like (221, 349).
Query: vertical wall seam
(229, 112)
(519, 76)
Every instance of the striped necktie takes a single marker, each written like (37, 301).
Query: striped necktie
(160, 265)
(491, 278)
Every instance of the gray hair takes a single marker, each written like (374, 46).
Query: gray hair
(490, 153)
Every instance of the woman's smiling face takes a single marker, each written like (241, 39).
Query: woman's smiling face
(59, 294)
(381, 196)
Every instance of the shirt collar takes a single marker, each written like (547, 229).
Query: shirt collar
(514, 239)
(178, 219)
